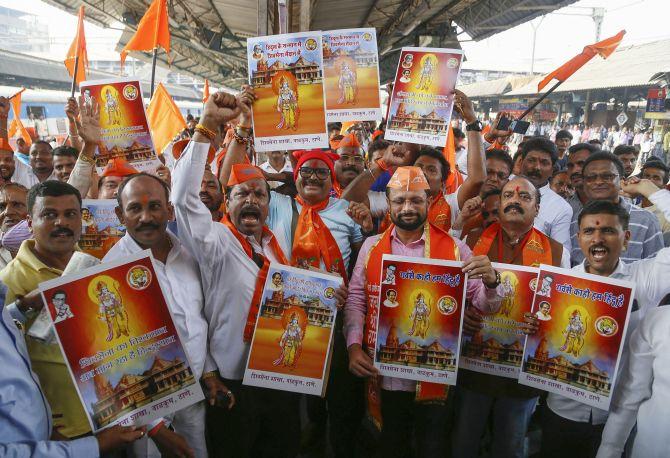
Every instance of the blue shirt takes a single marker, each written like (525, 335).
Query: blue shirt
(344, 230)
(25, 416)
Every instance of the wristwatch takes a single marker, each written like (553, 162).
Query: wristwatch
(497, 282)
(474, 126)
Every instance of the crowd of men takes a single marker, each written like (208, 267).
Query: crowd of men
(214, 221)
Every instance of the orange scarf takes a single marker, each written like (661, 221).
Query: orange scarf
(313, 241)
(535, 247)
(262, 274)
(439, 245)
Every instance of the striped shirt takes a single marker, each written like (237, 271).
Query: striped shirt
(645, 235)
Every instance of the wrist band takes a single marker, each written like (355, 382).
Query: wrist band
(205, 131)
(152, 432)
(240, 139)
(242, 126)
(209, 374)
(382, 165)
(84, 158)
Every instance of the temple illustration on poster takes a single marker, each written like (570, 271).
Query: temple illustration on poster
(492, 350)
(318, 314)
(135, 152)
(415, 122)
(362, 57)
(134, 391)
(586, 375)
(410, 353)
(305, 72)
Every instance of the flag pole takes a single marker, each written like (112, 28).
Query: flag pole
(538, 101)
(153, 71)
(74, 75)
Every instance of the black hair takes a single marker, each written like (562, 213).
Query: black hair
(334, 126)
(42, 142)
(458, 133)
(501, 155)
(595, 141)
(12, 185)
(540, 144)
(436, 154)
(51, 188)
(57, 292)
(625, 149)
(130, 178)
(491, 192)
(563, 134)
(599, 207)
(657, 164)
(377, 145)
(66, 151)
(591, 148)
(604, 156)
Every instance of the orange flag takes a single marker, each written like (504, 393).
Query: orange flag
(152, 31)
(604, 48)
(16, 126)
(205, 92)
(165, 119)
(455, 179)
(78, 48)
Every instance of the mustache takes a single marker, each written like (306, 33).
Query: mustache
(250, 210)
(350, 168)
(312, 182)
(144, 226)
(534, 173)
(62, 231)
(516, 207)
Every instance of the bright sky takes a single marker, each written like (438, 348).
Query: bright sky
(559, 36)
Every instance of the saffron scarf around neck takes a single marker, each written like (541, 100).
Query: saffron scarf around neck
(250, 324)
(313, 242)
(535, 247)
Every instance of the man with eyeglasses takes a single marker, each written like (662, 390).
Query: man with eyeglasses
(577, 155)
(601, 174)
(322, 233)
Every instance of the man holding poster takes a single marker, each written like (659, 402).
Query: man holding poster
(485, 396)
(572, 428)
(422, 97)
(409, 235)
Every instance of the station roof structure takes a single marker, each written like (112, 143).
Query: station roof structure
(209, 36)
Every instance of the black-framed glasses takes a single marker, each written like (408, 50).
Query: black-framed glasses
(320, 172)
(605, 177)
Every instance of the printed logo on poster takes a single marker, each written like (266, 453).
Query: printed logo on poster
(129, 92)
(138, 277)
(310, 44)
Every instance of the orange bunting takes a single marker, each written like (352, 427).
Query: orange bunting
(164, 117)
(205, 92)
(408, 178)
(152, 31)
(78, 49)
(603, 48)
(16, 126)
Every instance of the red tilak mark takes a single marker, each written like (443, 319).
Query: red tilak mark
(597, 223)
(516, 189)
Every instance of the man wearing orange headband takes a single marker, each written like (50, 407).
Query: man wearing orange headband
(410, 234)
(322, 235)
(234, 259)
(444, 208)
(350, 162)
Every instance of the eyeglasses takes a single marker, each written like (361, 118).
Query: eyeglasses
(321, 173)
(604, 177)
(354, 159)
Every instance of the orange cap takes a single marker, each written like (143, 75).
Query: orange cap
(118, 167)
(240, 173)
(5, 146)
(179, 146)
(408, 178)
(350, 141)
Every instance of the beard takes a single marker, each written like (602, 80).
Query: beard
(409, 226)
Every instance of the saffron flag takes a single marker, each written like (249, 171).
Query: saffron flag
(78, 49)
(205, 92)
(603, 48)
(16, 126)
(165, 119)
(152, 31)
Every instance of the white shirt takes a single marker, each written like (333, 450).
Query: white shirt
(24, 175)
(554, 217)
(267, 167)
(179, 278)
(651, 285)
(643, 394)
(228, 274)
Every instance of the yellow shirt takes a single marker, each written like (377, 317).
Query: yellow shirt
(22, 275)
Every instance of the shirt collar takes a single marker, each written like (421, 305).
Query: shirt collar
(27, 257)
(129, 245)
(421, 239)
(622, 269)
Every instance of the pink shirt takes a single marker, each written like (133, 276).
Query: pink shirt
(485, 299)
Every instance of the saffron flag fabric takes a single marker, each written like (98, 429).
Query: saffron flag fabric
(16, 126)
(152, 31)
(165, 119)
(78, 49)
(205, 92)
(603, 48)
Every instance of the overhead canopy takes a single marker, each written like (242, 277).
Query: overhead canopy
(209, 36)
